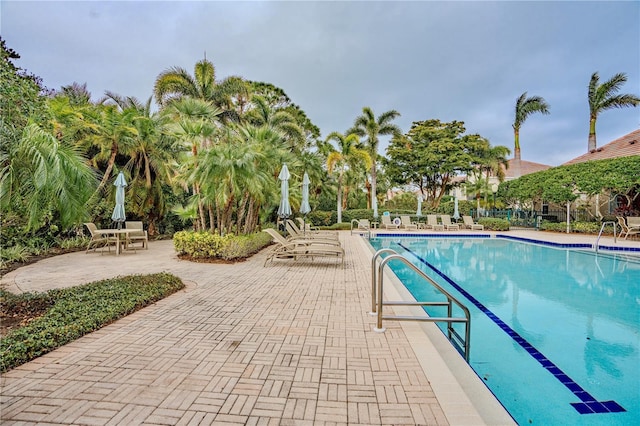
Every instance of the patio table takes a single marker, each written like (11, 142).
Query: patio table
(117, 233)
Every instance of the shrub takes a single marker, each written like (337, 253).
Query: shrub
(577, 227)
(74, 312)
(205, 245)
(494, 224)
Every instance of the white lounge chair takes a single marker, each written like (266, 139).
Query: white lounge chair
(286, 249)
(407, 224)
(470, 224)
(387, 224)
(296, 233)
(446, 221)
(432, 223)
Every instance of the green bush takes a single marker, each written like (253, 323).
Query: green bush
(74, 312)
(577, 227)
(205, 245)
(494, 224)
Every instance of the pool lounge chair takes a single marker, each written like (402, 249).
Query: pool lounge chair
(286, 249)
(446, 221)
(628, 229)
(307, 227)
(407, 224)
(98, 239)
(387, 224)
(296, 233)
(432, 223)
(470, 224)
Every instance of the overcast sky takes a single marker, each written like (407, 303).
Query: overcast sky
(466, 61)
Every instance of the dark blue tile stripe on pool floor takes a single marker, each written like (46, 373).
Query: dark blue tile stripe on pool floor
(589, 405)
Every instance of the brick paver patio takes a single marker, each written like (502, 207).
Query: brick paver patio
(290, 343)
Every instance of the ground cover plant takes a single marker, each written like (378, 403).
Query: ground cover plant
(35, 324)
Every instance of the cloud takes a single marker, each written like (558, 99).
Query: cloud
(464, 61)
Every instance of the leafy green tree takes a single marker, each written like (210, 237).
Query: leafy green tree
(604, 96)
(345, 157)
(525, 106)
(430, 155)
(370, 128)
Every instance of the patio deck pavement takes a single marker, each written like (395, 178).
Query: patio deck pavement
(290, 343)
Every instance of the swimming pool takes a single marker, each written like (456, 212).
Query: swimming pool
(555, 332)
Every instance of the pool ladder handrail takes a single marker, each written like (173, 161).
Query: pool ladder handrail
(368, 229)
(377, 280)
(615, 239)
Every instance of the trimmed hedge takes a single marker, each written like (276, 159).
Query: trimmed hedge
(494, 224)
(576, 227)
(76, 311)
(205, 245)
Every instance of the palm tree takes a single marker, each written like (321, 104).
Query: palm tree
(176, 83)
(279, 119)
(602, 97)
(152, 160)
(55, 176)
(348, 153)
(366, 125)
(524, 108)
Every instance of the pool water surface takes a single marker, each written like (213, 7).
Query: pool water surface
(554, 332)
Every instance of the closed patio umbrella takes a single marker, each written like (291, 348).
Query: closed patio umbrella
(118, 214)
(305, 208)
(419, 211)
(284, 210)
(456, 214)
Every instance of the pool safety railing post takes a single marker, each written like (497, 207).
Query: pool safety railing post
(615, 239)
(462, 343)
(374, 275)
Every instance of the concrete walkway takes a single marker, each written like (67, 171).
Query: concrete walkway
(290, 343)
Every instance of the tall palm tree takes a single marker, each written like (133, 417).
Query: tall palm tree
(602, 97)
(370, 127)
(279, 119)
(348, 153)
(524, 108)
(176, 83)
(152, 160)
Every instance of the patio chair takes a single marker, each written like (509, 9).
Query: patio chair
(287, 249)
(295, 233)
(98, 239)
(432, 223)
(387, 224)
(470, 224)
(407, 224)
(137, 236)
(626, 229)
(446, 221)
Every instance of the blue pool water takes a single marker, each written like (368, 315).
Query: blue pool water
(555, 333)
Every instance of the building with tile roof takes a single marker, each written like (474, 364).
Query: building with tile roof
(624, 146)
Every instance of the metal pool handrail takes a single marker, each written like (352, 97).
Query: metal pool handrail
(615, 240)
(377, 305)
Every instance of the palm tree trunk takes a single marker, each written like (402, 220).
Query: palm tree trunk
(592, 134)
(516, 150)
(112, 161)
